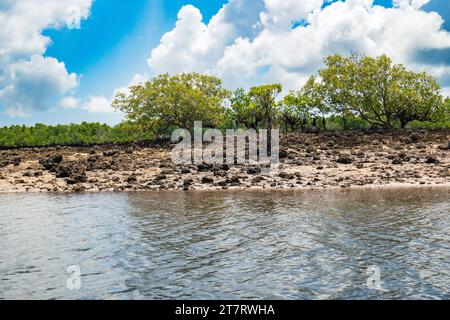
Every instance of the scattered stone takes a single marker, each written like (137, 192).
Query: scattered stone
(110, 153)
(92, 158)
(331, 143)
(62, 171)
(79, 189)
(202, 167)
(381, 153)
(344, 159)
(432, 160)
(287, 176)
(28, 174)
(71, 181)
(16, 161)
(414, 138)
(220, 173)
(421, 146)
(258, 179)
(56, 158)
(51, 162)
(254, 170)
(444, 146)
(283, 154)
(206, 180)
(233, 180)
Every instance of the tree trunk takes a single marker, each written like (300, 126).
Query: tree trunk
(403, 123)
(344, 121)
(269, 131)
(324, 123)
(388, 121)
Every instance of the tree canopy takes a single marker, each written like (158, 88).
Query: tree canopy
(376, 90)
(380, 92)
(179, 100)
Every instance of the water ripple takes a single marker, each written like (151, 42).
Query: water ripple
(249, 245)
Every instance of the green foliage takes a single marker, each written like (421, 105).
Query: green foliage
(351, 122)
(242, 111)
(380, 92)
(256, 108)
(72, 134)
(296, 110)
(264, 102)
(338, 81)
(178, 101)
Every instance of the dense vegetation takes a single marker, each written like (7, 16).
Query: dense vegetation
(73, 134)
(348, 93)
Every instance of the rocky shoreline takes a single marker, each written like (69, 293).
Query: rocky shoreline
(316, 160)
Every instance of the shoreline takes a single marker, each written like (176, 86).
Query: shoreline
(386, 187)
(323, 161)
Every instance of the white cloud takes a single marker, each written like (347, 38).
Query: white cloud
(192, 45)
(93, 104)
(414, 3)
(32, 83)
(98, 104)
(69, 103)
(282, 14)
(272, 50)
(138, 78)
(28, 80)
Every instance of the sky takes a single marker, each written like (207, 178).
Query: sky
(62, 61)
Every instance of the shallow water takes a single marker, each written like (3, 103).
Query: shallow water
(230, 245)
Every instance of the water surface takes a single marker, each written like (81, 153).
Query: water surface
(226, 245)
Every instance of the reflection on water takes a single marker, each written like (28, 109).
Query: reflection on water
(250, 245)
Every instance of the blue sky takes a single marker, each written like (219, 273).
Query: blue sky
(115, 40)
(114, 43)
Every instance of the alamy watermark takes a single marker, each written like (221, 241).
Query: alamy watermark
(239, 146)
(74, 277)
(374, 279)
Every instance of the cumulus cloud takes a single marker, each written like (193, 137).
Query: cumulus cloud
(137, 79)
(287, 40)
(33, 82)
(28, 79)
(283, 14)
(69, 103)
(93, 104)
(100, 104)
(193, 45)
